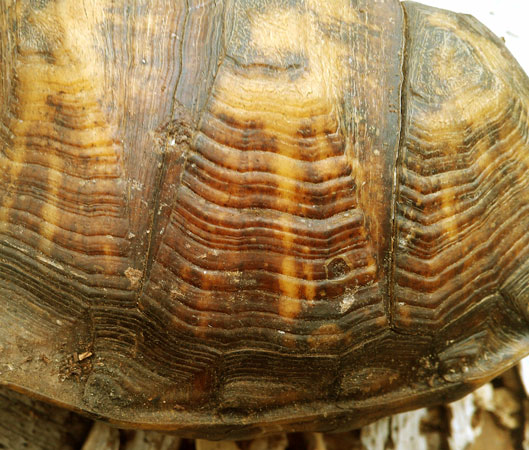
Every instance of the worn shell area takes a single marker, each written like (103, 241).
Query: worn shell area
(189, 233)
(198, 229)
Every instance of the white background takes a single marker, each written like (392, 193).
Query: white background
(506, 18)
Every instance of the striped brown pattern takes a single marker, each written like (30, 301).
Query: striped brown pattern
(265, 268)
(254, 215)
(62, 211)
(463, 200)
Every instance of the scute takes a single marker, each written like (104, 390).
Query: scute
(463, 184)
(462, 197)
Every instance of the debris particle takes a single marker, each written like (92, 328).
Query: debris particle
(84, 355)
(347, 300)
(77, 365)
(134, 276)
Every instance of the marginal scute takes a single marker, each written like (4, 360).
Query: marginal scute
(364, 382)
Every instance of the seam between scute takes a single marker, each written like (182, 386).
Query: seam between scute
(398, 162)
(161, 173)
(199, 114)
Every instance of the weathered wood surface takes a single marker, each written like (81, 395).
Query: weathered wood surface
(230, 218)
(32, 425)
(494, 417)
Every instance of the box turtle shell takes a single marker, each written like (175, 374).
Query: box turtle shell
(229, 218)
